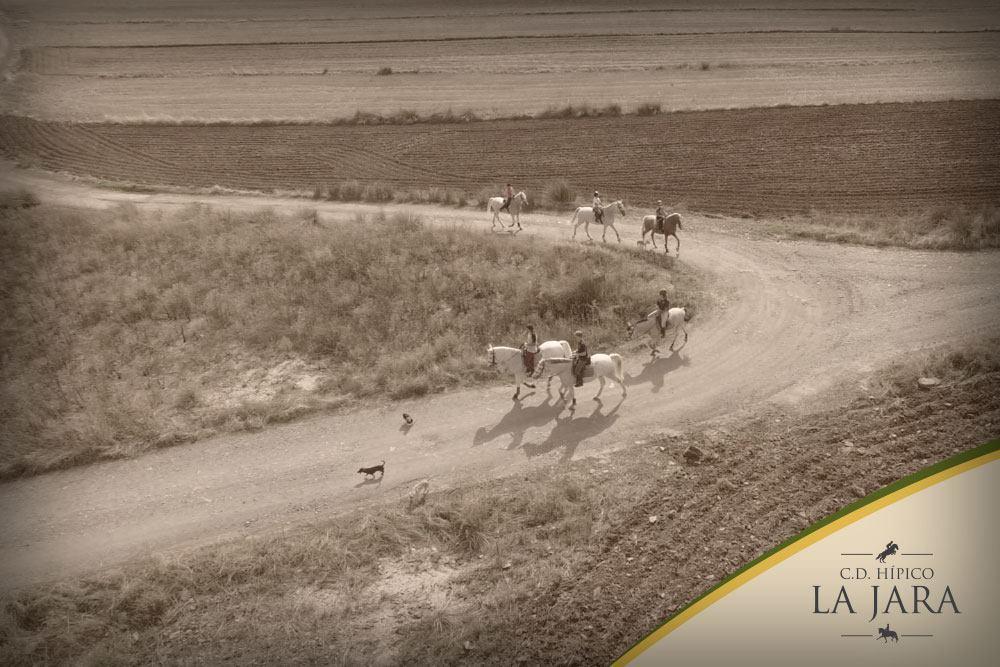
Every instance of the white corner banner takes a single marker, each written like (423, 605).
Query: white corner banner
(906, 577)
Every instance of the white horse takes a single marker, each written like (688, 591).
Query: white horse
(601, 366)
(675, 317)
(511, 360)
(519, 201)
(585, 214)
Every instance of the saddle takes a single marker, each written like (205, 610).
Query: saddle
(658, 227)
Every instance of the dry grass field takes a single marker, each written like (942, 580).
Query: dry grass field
(881, 159)
(124, 331)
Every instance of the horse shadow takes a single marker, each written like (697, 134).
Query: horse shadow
(569, 432)
(655, 371)
(405, 428)
(517, 420)
(368, 481)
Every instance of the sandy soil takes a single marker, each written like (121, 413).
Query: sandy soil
(795, 318)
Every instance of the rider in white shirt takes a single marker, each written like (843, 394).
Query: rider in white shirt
(598, 208)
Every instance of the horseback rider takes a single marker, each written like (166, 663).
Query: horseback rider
(581, 358)
(508, 194)
(661, 216)
(598, 208)
(662, 306)
(529, 349)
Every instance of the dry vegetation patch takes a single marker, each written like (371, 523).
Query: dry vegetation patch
(938, 228)
(498, 571)
(126, 330)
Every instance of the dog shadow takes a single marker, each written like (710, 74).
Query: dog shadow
(570, 432)
(517, 420)
(655, 371)
(368, 481)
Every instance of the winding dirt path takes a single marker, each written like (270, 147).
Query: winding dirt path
(795, 318)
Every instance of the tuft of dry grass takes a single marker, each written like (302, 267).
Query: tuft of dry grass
(559, 194)
(125, 331)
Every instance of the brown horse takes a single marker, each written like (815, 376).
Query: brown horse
(671, 224)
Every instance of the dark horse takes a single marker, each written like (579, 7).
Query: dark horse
(670, 225)
(890, 550)
(886, 634)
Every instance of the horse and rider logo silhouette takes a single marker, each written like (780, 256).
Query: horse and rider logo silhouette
(890, 550)
(885, 634)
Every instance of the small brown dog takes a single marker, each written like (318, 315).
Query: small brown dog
(370, 472)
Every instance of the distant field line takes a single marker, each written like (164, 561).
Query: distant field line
(332, 19)
(483, 38)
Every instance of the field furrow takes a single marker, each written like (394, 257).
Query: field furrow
(854, 158)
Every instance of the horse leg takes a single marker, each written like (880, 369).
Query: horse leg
(652, 237)
(600, 380)
(616, 233)
(678, 244)
(586, 229)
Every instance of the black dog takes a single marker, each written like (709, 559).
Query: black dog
(370, 472)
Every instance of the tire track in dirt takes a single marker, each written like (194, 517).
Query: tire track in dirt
(795, 317)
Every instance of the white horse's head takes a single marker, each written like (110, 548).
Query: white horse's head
(621, 207)
(522, 197)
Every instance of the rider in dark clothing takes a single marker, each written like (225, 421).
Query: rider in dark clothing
(530, 348)
(662, 306)
(581, 359)
(508, 196)
(661, 215)
(598, 209)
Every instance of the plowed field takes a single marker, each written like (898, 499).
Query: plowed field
(852, 158)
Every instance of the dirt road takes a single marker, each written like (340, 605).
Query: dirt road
(795, 317)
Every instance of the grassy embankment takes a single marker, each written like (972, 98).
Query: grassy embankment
(125, 331)
(945, 228)
(512, 565)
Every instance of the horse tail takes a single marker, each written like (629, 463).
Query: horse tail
(619, 374)
(688, 315)
(575, 213)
